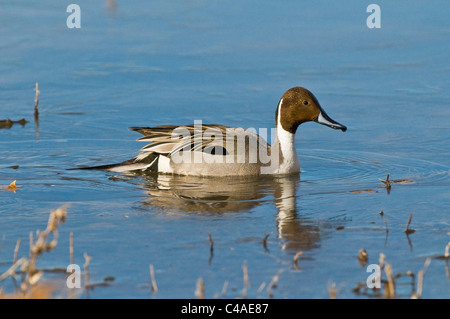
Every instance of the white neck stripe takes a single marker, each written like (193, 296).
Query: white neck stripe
(290, 163)
(279, 114)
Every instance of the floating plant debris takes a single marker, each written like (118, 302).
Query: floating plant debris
(363, 257)
(11, 187)
(364, 191)
(9, 123)
(388, 181)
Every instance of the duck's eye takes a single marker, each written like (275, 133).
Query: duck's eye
(305, 102)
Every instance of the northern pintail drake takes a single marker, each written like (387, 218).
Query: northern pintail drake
(217, 150)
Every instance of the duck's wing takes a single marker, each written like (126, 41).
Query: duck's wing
(166, 140)
(212, 138)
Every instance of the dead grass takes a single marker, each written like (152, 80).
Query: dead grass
(389, 282)
(31, 285)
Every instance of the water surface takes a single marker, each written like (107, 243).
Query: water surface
(141, 64)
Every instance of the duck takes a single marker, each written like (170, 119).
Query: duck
(218, 151)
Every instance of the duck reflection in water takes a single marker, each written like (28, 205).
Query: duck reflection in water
(174, 194)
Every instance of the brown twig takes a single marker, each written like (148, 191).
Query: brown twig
(265, 242)
(387, 182)
(408, 230)
(211, 248)
(385, 221)
(36, 109)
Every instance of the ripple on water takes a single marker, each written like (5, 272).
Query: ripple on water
(362, 168)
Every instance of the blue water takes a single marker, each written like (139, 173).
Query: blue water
(142, 64)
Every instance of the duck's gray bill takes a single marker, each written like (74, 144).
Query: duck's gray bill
(324, 119)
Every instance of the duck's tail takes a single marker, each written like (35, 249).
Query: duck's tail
(126, 166)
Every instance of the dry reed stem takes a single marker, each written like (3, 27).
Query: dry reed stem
(72, 292)
(447, 270)
(224, 288)
(36, 110)
(420, 276)
(152, 276)
(245, 280)
(332, 291)
(200, 289)
(390, 289)
(87, 259)
(389, 284)
(36, 99)
(72, 261)
(28, 288)
(296, 257)
(22, 262)
(273, 283)
(57, 217)
(261, 287)
(16, 252)
(30, 237)
(381, 264)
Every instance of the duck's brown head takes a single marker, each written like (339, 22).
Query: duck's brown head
(298, 105)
